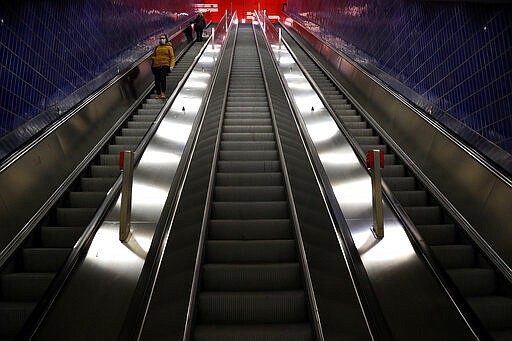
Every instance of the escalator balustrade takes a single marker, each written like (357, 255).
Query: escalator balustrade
(484, 289)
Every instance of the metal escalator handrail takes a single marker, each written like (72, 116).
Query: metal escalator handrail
(410, 228)
(80, 248)
(302, 252)
(139, 305)
(375, 320)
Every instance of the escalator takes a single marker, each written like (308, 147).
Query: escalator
(251, 278)
(28, 273)
(467, 269)
(247, 249)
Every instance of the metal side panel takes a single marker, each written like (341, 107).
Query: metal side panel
(478, 192)
(32, 179)
(409, 295)
(93, 304)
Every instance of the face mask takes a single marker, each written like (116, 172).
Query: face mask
(162, 41)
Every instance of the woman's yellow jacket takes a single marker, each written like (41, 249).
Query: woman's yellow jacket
(163, 56)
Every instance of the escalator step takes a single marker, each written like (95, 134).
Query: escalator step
(350, 116)
(249, 179)
(242, 108)
(355, 124)
(438, 234)
(251, 277)
(247, 92)
(139, 125)
(44, 259)
(254, 332)
(13, 316)
(339, 107)
(248, 155)
(243, 116)
(109, 160)
(97, 184)
(368, 140)
(248, 166)
(367, 147)
(495, 312)
(149, 109)
(401, 184)
(247, 129)
(117, 148)
(389, 159)
(74, 216)
(250, 229)
(474, 281)
(250, 210)
(455, 256)
(25, 286)
(248, 119)
(153, 100)
(247, 136)
(98, 171)
(254, 98)
(153, 106)
(86, 199)
(247, 145)
(133, 132)
(425, 215)
(65, 236)
(252, 307)
(252, 103)
(362, 132)
(127, 140)
(258, 193)
(411, 198)
(145, 116)
(250, 251)
(393, 171)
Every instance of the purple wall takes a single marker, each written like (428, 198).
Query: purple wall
(54, 53)
(455, 56)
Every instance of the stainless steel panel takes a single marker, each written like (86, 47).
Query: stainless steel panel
(473, 188)
(31, 179)
(407, 291)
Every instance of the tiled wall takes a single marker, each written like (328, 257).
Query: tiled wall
(50, 49)
(455, 56)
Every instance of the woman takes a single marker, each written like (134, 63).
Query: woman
(163, 62)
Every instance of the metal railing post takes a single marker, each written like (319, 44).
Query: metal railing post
(126, 162)
(374, 162)
(280, 37)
